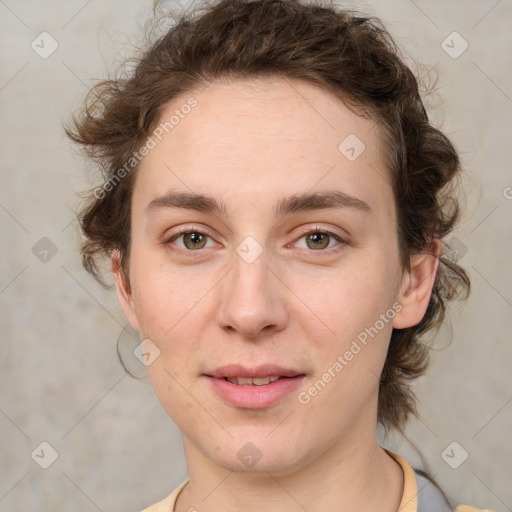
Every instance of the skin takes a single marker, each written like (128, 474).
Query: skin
(248, 144)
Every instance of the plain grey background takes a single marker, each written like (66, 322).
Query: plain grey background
(60, 379)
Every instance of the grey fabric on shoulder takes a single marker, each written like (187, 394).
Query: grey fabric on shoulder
(430, 499)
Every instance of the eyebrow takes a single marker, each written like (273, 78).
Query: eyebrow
(331, 199)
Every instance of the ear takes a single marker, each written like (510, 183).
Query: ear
(416, 287)
(124, 294)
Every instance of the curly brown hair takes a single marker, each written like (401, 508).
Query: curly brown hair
(347, 54)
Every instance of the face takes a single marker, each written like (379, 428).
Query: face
(288, 267)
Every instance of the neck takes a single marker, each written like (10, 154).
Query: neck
(351, 476)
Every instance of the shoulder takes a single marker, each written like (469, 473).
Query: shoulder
(167, 504)
(429, 497)
(467, 508)
(422, 494)
(432, 499)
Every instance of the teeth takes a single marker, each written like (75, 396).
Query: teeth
(259, 381)
(243, 381)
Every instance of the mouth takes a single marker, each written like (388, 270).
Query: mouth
(255, 388)
(260, 375)
(257, 381)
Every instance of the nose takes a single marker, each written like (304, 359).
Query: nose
(253, 299)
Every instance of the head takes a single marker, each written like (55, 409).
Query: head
(274, 193)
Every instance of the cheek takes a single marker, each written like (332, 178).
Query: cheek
(168, 307)
(350, 330)
(345, 301)
(164, 296)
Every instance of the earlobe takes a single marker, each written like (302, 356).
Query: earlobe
(416, 287)
(124, 295)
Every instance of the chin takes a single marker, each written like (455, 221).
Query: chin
(258, 455)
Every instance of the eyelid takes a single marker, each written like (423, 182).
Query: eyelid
(183, 231)
(343, 240)
(203, 231)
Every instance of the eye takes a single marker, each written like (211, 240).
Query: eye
(192, 240)
(319, 240)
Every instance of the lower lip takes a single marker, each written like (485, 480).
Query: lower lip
(255, 397)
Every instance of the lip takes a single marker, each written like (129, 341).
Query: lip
(236, 370)
(252, 396)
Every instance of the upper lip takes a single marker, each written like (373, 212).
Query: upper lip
(265, 370)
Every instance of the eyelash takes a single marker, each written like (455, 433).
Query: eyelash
(185, 231)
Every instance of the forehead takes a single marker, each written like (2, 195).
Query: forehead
(251, 140)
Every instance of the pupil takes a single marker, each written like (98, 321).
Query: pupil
(318, 239)
(194, 238)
